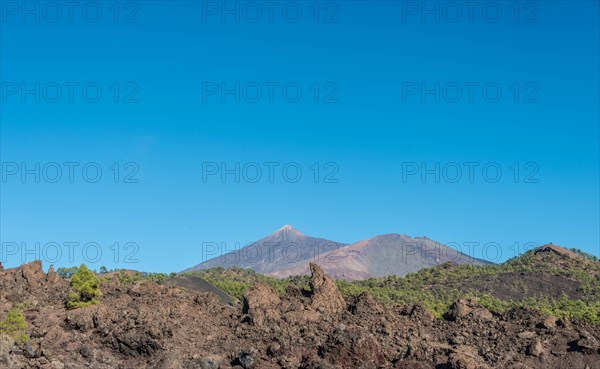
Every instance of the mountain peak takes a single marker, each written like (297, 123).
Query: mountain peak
(288, 229)
(556, 249)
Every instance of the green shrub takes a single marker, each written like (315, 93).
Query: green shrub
(130, 278)
(14, 325)
(85, 287)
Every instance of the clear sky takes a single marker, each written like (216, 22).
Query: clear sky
(376, 93)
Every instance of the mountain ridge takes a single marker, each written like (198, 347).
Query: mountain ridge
(379, 255)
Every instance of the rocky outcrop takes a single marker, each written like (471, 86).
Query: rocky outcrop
(468, 308)
(29, 283)
(365, 304)
(261, 303)
(51, 277)
(325, 296)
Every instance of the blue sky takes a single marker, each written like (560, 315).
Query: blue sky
(369, 131)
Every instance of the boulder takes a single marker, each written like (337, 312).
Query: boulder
(549, 322)
(481, 314)
(86, 352)
(29, 351)
(365, 304)
(466, 358)
(262, 302)
(467, 307)
(589, 345)
(526, 335)
(536, 348)
(246, 358)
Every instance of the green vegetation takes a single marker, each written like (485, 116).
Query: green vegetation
(235, 281)
(66, 273)
(85, 287)
(586, 255)
(437, 288)
(136, 277)
(14, 325)
(123, 276)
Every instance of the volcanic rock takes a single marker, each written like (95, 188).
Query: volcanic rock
(325, 296)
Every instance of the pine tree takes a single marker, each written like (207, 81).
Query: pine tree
(85, 288)
(14, 325)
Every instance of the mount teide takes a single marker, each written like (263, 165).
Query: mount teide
(288, 251)
(285, 248)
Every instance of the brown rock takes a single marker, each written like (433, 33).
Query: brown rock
(549, 322)
(589, 345)
(536, 348)
(6, 343)
(526, 335)
(51, 277)
(261, 302)
(325, 296)
(169, 360)
(466, 358)
(32, 273)
(482, 314)
(366, 304)
(461, 309)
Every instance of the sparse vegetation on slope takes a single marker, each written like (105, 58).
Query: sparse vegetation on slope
(130, 278)
(236, 281)
(545, 281)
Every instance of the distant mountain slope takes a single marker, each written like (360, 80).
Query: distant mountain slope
(389, 254)
(285, 248)
(542, 277)
(288, 251)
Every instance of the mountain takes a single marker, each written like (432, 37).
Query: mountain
(288, 251)
(379, 256)
(285, 248)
